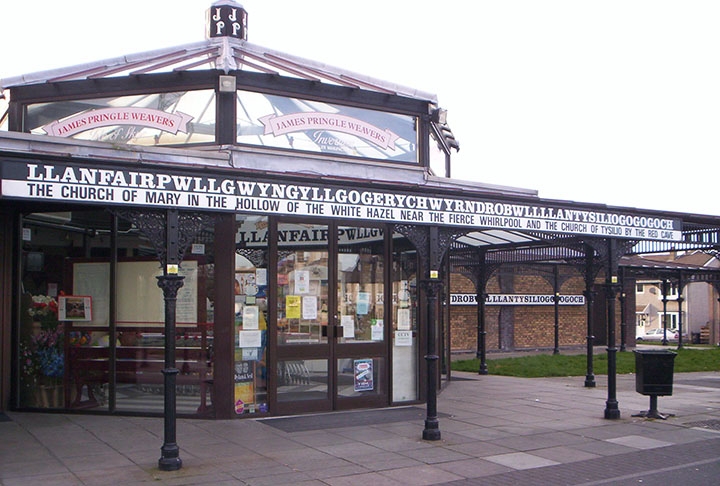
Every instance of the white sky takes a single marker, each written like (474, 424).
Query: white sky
(611, 101)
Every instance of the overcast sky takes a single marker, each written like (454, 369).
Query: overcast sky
(613, 101)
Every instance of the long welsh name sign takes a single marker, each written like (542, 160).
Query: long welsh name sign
(517, 299)
(145, 187)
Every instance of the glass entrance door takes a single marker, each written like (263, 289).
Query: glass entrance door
(360, 342)
(329, 313)
(303, 377)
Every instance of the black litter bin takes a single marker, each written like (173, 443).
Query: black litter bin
(695, 337)
(654, 376)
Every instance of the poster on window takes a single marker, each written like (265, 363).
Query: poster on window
(363, 374)
(244, 386)
(309, 307)
(292, 306)
(363, 303)
(250, 317)
(75, 308)
(403, 319)
(302, 282)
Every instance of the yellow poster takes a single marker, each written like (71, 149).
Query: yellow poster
(292, 307)
(244, 396)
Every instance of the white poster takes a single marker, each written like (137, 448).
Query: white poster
(348, 325)
(302, 281)
(403, 319)
(403, 338)
(250, 317)
(261, 276)
(250, 339)
(309, 307)
(378, 330)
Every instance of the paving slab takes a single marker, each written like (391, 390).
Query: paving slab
(494, 431)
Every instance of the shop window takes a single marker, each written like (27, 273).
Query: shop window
(405, 336)
(360, 284)
(48, 335)
(68, 334)
(302, 284)
(251, 319)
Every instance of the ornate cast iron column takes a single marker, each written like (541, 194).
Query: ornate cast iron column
(589, 373)
(478, 272)
(611, 288)
(665, 290)
(431, 244)
(170, 283)
(623, 313)
(680, 301)
(432, 287)
(170, 232)
(590, 272)
(556, 305)
(481, 296)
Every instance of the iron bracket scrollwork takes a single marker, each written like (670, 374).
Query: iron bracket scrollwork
(431, 248)
(153, 224)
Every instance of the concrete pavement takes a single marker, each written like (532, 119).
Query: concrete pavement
(495, 431)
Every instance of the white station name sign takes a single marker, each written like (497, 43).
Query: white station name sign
(517, 299)
(139, 187)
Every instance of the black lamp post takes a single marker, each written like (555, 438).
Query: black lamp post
(556, 305)
(170, 232)
(665, 291)
(611, 287)
(482, 333)
(589, 297)
(480, 296)
(170, 458)
(170, 282)
(623, 324)
(433, 286)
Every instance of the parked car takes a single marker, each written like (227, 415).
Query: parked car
(657, 335)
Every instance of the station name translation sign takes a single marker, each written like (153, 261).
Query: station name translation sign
(517, 299)
(141, 187)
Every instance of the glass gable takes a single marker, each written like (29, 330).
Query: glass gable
(263, 119)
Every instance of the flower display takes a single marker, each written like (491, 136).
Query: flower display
(44, 309)
(43, 354)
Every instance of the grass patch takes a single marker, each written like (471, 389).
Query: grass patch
(548, 365)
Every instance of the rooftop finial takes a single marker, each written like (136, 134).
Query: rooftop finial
(227, 18)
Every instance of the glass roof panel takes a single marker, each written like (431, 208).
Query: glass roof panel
(314, 126)
(174, 118)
